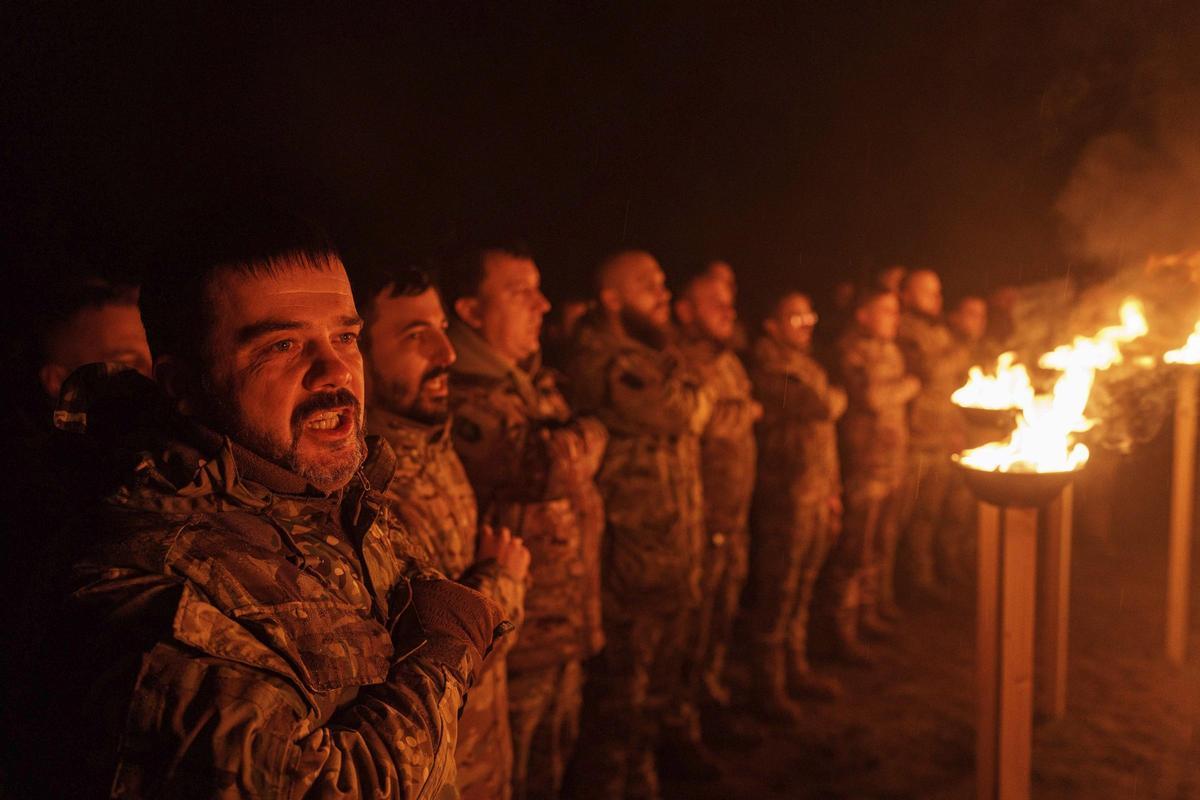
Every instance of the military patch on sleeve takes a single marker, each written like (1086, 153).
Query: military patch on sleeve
(467, 430)
(632, 381)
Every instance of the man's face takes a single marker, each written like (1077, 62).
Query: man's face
(712, 310)
(408, 365)
(509, 308)
(880, 317)
(111, 332)
(794, 321)
(969, 319)
(642, 291)
(891, 277)
(923, 293)
(284, 372)
(724, 273)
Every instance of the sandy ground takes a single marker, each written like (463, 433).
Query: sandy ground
(905, 729)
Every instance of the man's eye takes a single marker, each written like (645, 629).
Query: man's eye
(284, 346)
(348, 338)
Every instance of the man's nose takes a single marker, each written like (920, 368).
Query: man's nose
(541, 303)
(442, 352)
(328, 369)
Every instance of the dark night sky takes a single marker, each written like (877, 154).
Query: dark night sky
(804, 142)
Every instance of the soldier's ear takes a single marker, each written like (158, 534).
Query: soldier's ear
(467, 309)
(610, 301)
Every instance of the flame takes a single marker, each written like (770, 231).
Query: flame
(1046, 427)
(1008, 388)
(1189, 353)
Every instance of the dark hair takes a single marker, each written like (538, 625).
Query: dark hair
(69, 300)
(175, 302)
(466, 266)
(370, 282)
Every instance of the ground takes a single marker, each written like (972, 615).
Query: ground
(905, 728)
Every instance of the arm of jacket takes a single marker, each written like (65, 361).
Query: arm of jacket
(875, 383)
(222, 715)
(658, 395)
(788, 395)
(488, 579)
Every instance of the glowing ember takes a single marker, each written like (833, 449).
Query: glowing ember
(1008, 388)
(1043, 440)
(1189, 353)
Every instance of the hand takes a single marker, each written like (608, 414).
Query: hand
(450, 611)
(509, 551)
(835, 514)
(837, 401)
(756, 411)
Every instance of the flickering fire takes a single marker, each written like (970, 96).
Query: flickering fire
(1189, 353)
(1007, 388)
(1043, 440)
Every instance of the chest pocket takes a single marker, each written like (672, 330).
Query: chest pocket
(328, 643)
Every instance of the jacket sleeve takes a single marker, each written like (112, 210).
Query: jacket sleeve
(663, 397)
(873, 384)
(217, 723)
(788, 395)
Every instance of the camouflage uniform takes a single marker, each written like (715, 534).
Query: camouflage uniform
(727, 461)
(874, 445)
(939, 362)
(532, 465)
(794, 522)
(432, 497)
(231, 633)
(654, 408)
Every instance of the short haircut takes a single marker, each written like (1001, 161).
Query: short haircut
(912, 275)
(175, 303)
(410, 281)
(69, 300)
(609, 263)
(466, 267)
(869, 294)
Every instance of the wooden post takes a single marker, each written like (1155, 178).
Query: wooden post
(1007, 590)
(1179, 553)
(1054, 606)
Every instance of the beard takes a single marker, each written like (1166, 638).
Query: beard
(391, 395)
(644, 329)
(331, 472)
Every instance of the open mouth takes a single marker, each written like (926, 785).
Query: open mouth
(330, 422)
(438, 386)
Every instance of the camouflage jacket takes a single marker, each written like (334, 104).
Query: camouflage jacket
(532, 464)
(239, 634)
(432, 497)
(874, 440)
(654, 408)
(798, 456)
(727, 448)
(932, 354)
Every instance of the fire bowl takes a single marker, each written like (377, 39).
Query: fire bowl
(1025, 489)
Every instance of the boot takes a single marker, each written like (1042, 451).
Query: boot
(847, 646)
(870, 624)
(712, 683)
(771, 700)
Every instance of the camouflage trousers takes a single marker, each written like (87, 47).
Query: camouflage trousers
(791, 543)
(543, 709)
(858, 576)
(925, 495)
(631, 688)
(722, 577)
(483, 756)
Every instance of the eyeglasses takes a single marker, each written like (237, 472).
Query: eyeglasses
(805, 320)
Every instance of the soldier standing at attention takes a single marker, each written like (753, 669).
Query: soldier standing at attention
(408, 358)
(932, 355)
(797, 505)
(727, 457)
(625, 372)
(874, 447)
(238, 624)
(532, 464)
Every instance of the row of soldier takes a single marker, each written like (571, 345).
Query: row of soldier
(268, 583)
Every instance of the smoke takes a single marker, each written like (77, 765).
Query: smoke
(1134, 193)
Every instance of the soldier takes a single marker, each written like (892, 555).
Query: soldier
(874, 443)
(239, 625)
(532, 465)
(625, 371)
(408, 360)
(932, 355)
(727, 456)
(797, 504)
